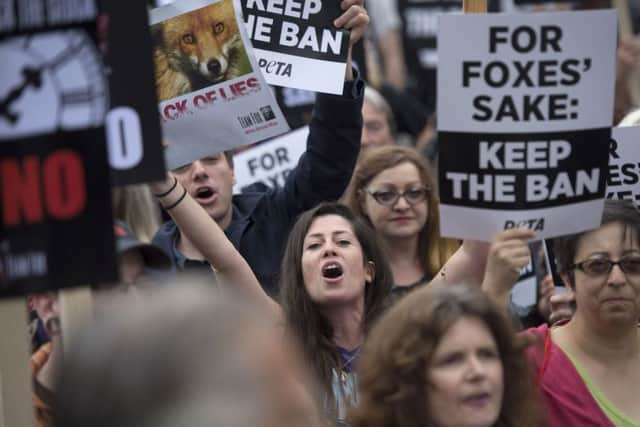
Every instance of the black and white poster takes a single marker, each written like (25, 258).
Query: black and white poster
(55, 199)
(296, 44)
(525, 127)
(624, 164)
(270, 162)
(419, 42)
(133, 122)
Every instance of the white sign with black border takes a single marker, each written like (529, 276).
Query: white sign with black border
(524, 127)
(624, 164)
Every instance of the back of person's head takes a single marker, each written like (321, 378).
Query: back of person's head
(393, 382)
(379, 159)
(134, 204)
(182, 356)
(615, 210)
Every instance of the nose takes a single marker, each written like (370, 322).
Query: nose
(475, 369)
(401, 203)
(214, 67)
(616, 276)
(198, 170)
(328, 249)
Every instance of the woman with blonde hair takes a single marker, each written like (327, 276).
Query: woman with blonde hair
(394, 189)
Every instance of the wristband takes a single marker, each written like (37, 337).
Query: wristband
(177, 202)
(166, 193)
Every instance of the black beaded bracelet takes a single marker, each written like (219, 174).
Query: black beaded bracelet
(177, 202)
(166, 193)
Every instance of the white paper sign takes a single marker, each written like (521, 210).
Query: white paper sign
(524, 117)
(271, 161)
(624, 165)
(212, 95)
(296, 43)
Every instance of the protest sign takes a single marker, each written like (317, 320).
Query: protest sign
(524, 127)
(297, 44)
(211, 92)
(54, 178)
(419, 38)
(624, 164)
(133, 125)
(270, 162)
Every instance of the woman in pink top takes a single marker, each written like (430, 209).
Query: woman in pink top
(589, 367)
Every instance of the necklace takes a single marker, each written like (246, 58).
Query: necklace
(348, 359)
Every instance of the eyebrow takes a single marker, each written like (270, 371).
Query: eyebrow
(319, 235)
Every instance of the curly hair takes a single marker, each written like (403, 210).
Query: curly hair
(436, 249)
(393, 368)
(303, 318)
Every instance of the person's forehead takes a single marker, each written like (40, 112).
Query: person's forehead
(610, 237)
(329, 224)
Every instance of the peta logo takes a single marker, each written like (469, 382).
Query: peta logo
(536, 224)
(278, 68)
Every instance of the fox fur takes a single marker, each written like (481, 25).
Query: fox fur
(198, 49)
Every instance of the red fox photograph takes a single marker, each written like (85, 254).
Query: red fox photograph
(198, 49)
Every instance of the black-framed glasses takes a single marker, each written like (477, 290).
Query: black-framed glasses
(390, 197)
(602, 266)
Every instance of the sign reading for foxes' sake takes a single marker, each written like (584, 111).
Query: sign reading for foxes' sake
(297, 44)
(524, 127)
(55, 199)
(624, 165)
(212, 94)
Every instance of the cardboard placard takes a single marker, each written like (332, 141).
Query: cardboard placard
(271, 161)
(623, 180)
(524, 129)
(133, 123)
(55, 196)
(296, 43)
(212, 95)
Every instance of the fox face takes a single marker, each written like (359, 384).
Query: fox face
(203, 43)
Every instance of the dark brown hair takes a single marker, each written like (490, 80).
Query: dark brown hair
(393, 368)
(302, 315)
(435, 249)
(622, 211)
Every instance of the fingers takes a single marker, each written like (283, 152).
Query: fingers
(515, 233)
(355, 19)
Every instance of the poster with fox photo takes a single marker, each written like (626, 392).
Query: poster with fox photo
(212, 94)
(133, 124)
(525, 127)
(55, 195)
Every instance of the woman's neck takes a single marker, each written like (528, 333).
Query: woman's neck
(348, 325)
(619, 344)
(404, 261)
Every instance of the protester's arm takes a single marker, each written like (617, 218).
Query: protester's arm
(466, 265)
(508, 254)
(231, 268)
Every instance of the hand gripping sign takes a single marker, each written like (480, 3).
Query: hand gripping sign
(524, 113)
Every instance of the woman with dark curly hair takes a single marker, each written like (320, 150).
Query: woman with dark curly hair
(445, 356)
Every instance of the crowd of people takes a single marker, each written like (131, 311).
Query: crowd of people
(334, 301)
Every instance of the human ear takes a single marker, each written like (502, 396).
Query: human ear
(370, 271)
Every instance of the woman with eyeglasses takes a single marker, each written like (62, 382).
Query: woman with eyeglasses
(394, 189)
(589, 367)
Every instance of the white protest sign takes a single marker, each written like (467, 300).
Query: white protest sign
(212, 94)
(296, 43)
(271, 161)
(624, 164)
(524, 121)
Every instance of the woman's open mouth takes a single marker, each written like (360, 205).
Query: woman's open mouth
(332, 271)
